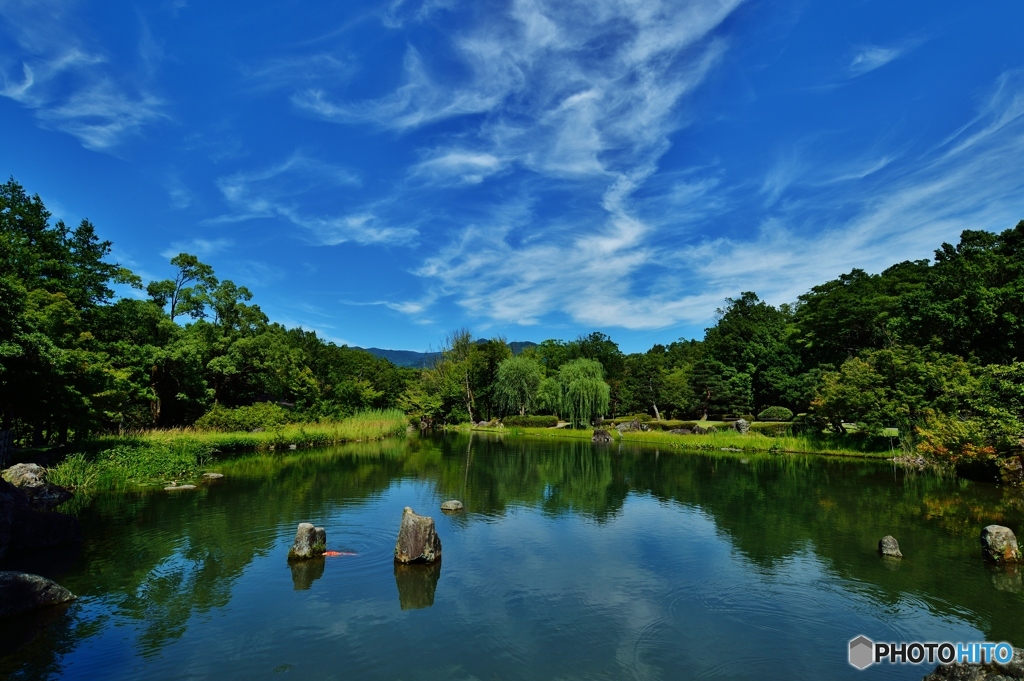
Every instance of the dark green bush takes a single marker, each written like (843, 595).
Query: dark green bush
(775, 414)
(769, 428)
(530, 421)
(244, 419)
(671, 425)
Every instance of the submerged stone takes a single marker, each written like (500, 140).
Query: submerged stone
(999, 545)
(310, 542)
(417, 539)
(888, 546)
(21, 592)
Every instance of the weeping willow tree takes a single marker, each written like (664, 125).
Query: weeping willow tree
(517, 384)
(584, 394)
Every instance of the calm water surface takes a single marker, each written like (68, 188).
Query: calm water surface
(573, 561)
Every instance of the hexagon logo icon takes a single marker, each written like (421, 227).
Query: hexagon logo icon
(862, 652)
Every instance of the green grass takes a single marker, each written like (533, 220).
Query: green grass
(830, 445)
(158, 456)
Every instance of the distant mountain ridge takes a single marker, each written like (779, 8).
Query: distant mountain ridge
(421, 360)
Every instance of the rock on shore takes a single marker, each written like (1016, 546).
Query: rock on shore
(30, 478)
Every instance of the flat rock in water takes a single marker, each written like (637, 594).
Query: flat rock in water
(1012, 670)
(175, 488)
(21, 592)
(999, 545)
(452, 505)
(213, 476)
(417, 539)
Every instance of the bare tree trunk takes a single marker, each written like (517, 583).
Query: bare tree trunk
(657, 416)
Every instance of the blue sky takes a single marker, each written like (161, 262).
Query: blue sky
(383, 172)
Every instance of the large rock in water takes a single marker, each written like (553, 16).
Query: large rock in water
(888, 546)
(1014, 669)
(999, 545)
(310, 542)
(30, 478)
(417, 539)
(601, 435)
(21, 592)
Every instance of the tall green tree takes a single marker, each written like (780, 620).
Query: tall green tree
(517, 384)
(584, 393)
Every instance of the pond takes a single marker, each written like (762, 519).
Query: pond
(572, 561)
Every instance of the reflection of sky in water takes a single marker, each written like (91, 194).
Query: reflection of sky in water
(655, 590)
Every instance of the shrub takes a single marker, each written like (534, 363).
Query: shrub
(672, 425)
(244, 419)
(773, 429)
(775, 414)
(530, 421)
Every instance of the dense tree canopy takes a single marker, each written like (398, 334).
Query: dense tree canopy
(931, 348)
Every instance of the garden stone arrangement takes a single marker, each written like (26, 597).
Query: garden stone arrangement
(417, 539)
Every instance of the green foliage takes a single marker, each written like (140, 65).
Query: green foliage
(74, 361)
(775, 414)
(530, 421)
(517, 384)
(583, 392)
(260, 415)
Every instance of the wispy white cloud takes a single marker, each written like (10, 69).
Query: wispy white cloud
(458, 166)
(274, 192)
(74, 87)
(202, 248)
(293, 70)
(871, 57)
(621, 274)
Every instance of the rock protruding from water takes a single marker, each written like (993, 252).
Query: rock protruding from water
(213, 476)
(30, 478)
(417, 539)
(601, 435)
(741, 426)
(21, 592)
(179, 488)
(452, 506)
(993, 671)
(999, 545)
(310, 542)
(888, 546)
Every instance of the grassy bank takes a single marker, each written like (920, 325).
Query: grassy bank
(831, 445)
(180, 455)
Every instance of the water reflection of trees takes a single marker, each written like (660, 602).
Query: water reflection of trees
(159, 559)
